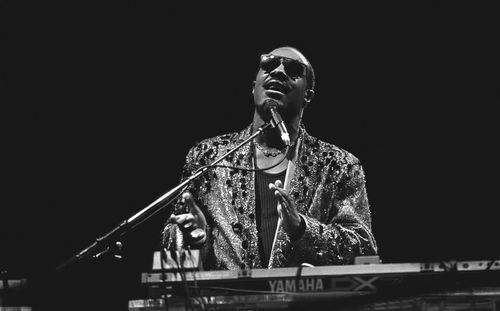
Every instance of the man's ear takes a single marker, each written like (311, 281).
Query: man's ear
(308, 97)
(253, 86)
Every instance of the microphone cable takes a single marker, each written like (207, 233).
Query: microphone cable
(163, 252)
(196, 288)
(287, 150)
(182, 274)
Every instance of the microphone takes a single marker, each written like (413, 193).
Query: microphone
(277, 121)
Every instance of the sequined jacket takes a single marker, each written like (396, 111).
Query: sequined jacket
(328, 188)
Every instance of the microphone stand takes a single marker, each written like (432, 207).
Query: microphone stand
(96, 248)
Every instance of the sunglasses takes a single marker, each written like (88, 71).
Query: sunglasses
(293, 68)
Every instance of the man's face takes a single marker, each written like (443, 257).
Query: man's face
(281, 77)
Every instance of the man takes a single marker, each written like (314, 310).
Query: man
(268, 205)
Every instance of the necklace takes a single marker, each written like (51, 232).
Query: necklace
(269, 153)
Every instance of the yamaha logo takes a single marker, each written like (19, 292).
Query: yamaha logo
(293, 285)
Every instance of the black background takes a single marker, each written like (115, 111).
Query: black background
(101, 101)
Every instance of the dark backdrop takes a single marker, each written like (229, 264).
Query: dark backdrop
(101, 102)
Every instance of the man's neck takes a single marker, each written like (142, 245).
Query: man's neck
(269, 149)
(271, 137)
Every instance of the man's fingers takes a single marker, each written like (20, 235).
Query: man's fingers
(286, 207)
(185, 217)
(194, 210)
(280, 193)
(185, 220)
(189, 201)
(283, 205)
(279, 196)
(197, 237)
(277, 186)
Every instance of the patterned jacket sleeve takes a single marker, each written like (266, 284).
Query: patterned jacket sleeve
(346, 233)
(172, 236)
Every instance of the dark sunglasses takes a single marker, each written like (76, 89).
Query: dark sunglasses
(293, 68)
